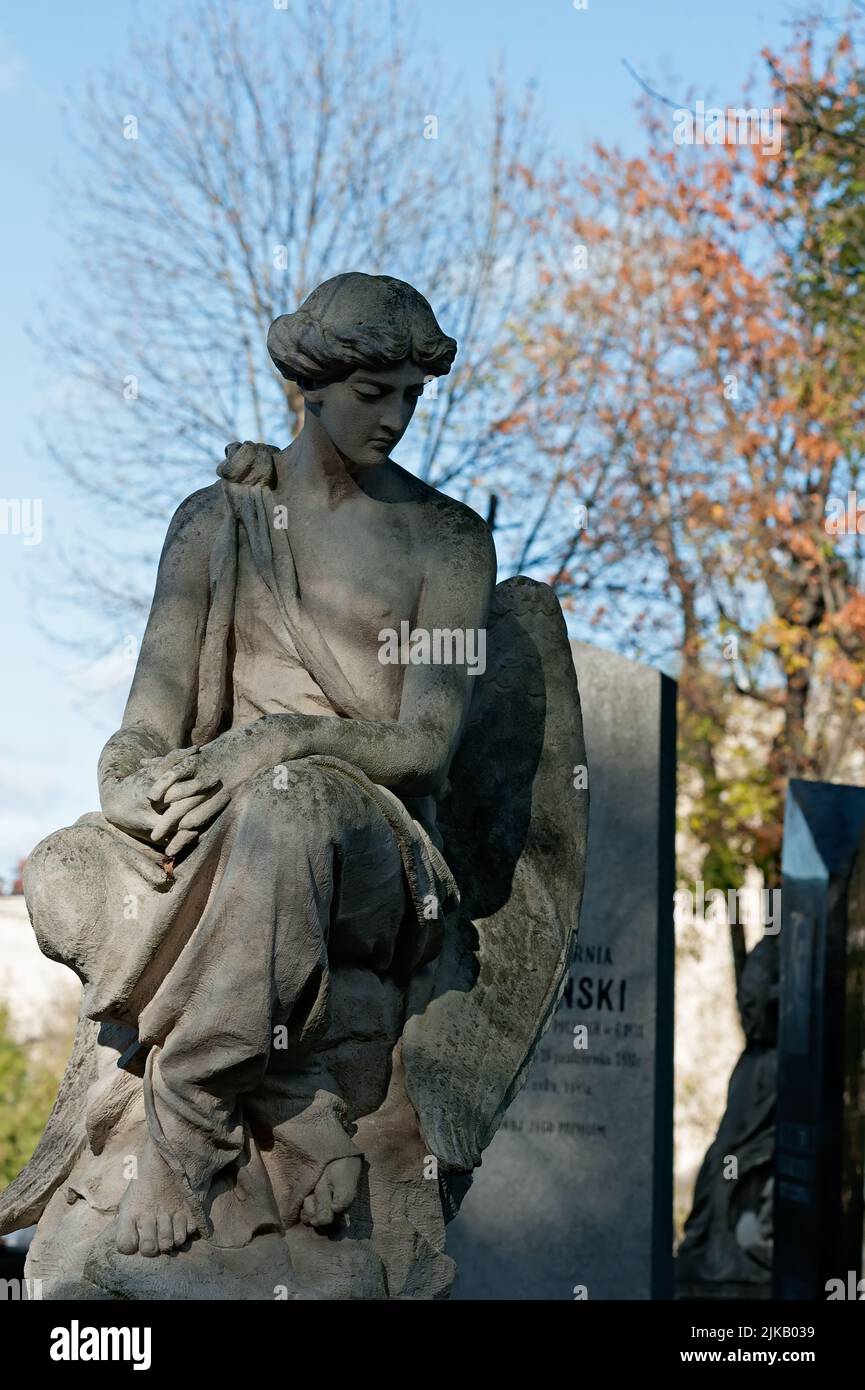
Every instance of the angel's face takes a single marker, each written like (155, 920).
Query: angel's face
(367, 414)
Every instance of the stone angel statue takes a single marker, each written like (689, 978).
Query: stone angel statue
(326, 911)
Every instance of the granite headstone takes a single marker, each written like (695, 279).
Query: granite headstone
(574, 1197)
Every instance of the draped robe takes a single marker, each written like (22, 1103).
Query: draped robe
(220, 967)
(424, 1055)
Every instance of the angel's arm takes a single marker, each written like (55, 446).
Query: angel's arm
(411, 754)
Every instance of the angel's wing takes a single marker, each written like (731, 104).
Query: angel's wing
(23, 1201)
(515, 828)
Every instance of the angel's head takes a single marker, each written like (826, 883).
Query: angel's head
(361, 348)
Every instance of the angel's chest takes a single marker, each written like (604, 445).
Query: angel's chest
(355, 580)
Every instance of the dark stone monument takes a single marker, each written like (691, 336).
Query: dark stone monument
(574, 1196)
(818, 1213)
(726, 1250)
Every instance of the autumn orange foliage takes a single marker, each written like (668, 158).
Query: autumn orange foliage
(698, 412)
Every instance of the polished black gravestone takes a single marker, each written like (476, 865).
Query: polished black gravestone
(818, 1211)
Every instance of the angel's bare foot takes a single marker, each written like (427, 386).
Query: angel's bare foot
(333, 1193)
(153, 1216)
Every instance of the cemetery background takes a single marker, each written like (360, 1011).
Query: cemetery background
(648, 520)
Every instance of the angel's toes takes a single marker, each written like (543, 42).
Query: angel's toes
(127, 1236)
(344, 1175)
(323, 1210)
(171, 1228)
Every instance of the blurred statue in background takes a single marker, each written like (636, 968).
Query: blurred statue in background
(727, 1246)
(325, 913)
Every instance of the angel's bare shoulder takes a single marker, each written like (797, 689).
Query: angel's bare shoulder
(193, 528)
(452, 529)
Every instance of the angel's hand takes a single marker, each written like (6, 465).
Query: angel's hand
(169, 821)
(158, 766)
(222, 765)
(190, 775)
(194, 820)
(127, 802)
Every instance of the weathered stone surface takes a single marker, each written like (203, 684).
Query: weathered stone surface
(576, 1190)
(514, 830)
(305, 1041)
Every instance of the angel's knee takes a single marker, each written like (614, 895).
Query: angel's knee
(61, 876)
(46, 871)
(297, 797)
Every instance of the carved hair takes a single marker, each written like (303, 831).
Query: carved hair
(357, 320)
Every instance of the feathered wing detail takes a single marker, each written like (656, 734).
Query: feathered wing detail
(515, 829)
(24, 1200)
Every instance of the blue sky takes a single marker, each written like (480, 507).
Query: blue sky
(56, 716)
